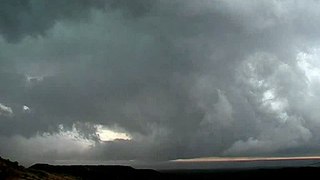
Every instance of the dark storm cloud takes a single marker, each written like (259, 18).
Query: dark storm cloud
(20, 18)
(183, 78)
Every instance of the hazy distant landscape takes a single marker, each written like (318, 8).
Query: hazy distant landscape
(12, 170)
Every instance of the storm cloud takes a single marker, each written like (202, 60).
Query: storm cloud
(182, 78)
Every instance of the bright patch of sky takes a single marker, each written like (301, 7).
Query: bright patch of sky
(107, 134)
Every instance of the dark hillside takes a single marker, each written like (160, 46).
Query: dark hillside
(99, 171)
(12, 170)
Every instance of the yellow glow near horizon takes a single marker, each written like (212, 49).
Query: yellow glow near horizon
(243, 159)
(106, 134)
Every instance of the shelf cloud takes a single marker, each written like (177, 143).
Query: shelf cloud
(183, 79)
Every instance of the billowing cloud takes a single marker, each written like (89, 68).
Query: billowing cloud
(64, 144)
(182, 78)
(26, 109)
(5, 110)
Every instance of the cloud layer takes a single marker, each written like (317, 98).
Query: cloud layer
(183, 78)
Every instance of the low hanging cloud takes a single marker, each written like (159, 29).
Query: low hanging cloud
(183, 78)
(62, 145)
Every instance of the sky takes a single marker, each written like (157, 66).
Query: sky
(158, 80)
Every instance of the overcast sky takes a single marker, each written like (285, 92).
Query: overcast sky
(157, 80)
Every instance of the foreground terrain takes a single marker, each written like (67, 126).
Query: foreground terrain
(12, 170)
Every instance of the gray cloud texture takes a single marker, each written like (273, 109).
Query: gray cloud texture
(184, 78)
